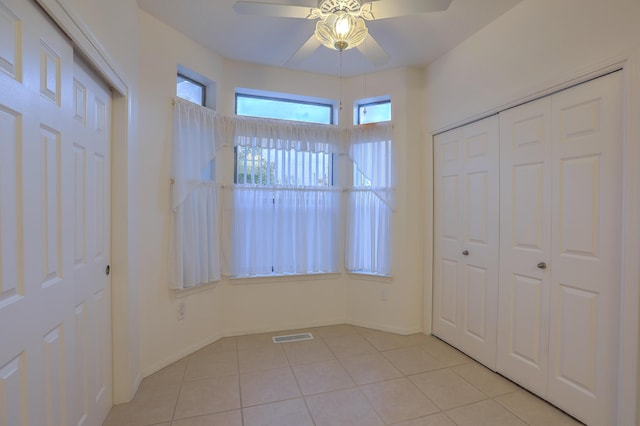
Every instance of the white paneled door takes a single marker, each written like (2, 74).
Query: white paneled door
(55, 350)
(466, 232)
(561, 242)
(91, 246)
(586, 249)
(525, 242)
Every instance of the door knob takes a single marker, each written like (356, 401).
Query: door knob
(465, 253)
(107, 270)
(542, 265)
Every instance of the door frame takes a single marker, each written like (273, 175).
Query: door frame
(126, 375)
(629, 64)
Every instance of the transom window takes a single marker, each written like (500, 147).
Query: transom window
(367, 113)
(374, 112)
(190, 90)
(284, 109)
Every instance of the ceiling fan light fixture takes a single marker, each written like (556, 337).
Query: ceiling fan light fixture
(341, 30)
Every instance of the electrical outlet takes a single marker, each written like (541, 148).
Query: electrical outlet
(182, 310)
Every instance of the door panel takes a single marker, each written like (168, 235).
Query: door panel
(10, 46)
(447, 233)
(13, 382)
(525, 232)
(91, 242)
(475, 325)
(451, 208)
(527, 208)
(525, 308)
(11, 285)
(479, 294)
(466, 220)
(577, 337)
(586, 249)
(477, 209)
(579, 184)
(448, 301)
(55, 386)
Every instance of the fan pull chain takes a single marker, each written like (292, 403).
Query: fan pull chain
(340, 107)
(364, 110)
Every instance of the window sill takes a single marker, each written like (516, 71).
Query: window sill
(285, 278)
(193, 290)
(364, 276)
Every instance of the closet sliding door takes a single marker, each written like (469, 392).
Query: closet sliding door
(466, 232)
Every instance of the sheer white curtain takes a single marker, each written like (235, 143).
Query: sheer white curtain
(306, 231)
(282, 225)
(372, 199)
(195, 242)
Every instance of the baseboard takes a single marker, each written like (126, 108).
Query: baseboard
(181, 354)
(136, 383)
(380, 327)
(283, 327)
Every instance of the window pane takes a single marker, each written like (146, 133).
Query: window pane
(359, 180)
(190, 90)
(272, 167)
(283, 109)
(374, 113)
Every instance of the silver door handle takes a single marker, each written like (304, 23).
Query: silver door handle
(542, 265)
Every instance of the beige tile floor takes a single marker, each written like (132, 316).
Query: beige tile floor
(346, 375)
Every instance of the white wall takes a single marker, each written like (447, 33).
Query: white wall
(534, 46)
(396, 305)
(163, 338)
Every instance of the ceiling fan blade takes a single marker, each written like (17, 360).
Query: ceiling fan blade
(373, 51)
(271, 9)
(304, 52)
(383, 9)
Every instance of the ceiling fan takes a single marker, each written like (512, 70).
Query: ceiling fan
(341, 23)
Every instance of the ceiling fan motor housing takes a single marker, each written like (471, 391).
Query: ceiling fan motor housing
(332, 6)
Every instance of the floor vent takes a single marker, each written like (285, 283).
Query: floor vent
(292, 338)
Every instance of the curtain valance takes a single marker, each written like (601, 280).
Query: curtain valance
(281, 134)
(194, 146)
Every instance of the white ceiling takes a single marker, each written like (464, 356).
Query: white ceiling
(414, 40)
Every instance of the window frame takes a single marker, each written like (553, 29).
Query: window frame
(203, 99)
(330, 106)
(292, 100)
(359, 107)
(330, 182)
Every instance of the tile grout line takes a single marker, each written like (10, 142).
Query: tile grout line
(422, 347)
(302, 395)
(175, 406)
(356, 385)
(235, 342)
